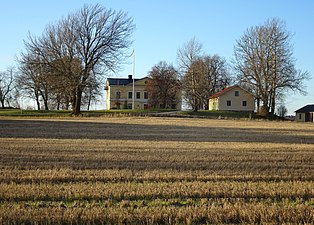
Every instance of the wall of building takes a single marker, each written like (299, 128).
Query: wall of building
(236, 101)
(304, 117)
(300, 117)
(213, 104)
(123, 100)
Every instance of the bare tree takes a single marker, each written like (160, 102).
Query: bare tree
(282, 111)
(94, 36)
(6, 86)
(202, 75)
(194, 85)
(264, 61)
(216, 75)
(35, 80)
(187, 55)
(91, 92)
(163, 87)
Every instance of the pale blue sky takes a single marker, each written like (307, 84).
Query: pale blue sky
(162, 26)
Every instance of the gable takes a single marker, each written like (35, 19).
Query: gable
(230, 91)
(225, 90)
(236, 94)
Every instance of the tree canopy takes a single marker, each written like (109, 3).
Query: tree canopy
(264, 62)
(163, 87)
(95, 38)
(201, 75)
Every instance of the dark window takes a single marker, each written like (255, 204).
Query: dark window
(130, 105)
(118, 95)
(229, 103)
(138, 95)
(236, 93)
(130, 94)
(300, 116)
(145, 95)
(244, 103)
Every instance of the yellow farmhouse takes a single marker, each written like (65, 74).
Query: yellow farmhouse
(119, 93)
(305, 114)
(234, 98)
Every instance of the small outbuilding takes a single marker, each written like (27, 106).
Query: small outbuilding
(234, 98)
(305, 114)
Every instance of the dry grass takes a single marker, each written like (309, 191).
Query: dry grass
(156, 170)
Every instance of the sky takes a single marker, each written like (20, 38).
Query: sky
(163, 26)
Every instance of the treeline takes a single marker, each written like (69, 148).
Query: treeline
(64, 68)
(263, 63)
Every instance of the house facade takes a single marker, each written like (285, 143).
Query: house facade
(119, 93)
(234, 98)
(305, 114)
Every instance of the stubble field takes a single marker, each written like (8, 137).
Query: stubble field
(141, 170)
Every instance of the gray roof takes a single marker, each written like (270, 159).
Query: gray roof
(306, 109)
(120, 81)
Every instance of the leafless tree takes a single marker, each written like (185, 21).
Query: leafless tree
(163, 87)
(202, 75)
(187, 55)
(216, 75)
(6, 86)
(282, 111)
(35, 80)
(264, 61)
(91, 92)
(194, 85)
(94, 36)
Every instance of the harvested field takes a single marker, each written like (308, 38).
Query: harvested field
(146, 170)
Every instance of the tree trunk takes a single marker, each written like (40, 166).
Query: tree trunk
(273, 105)
(73, 102)
(76, 110)
(37, 100)
(45, 98)
(46, 104)
(2, 103)
(89, 102)
(38, 104)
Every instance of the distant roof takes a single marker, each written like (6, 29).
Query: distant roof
(122, 81)
(306, 109)
(216, 95)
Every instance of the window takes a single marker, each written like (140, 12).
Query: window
(244, 103)
(229, 103)
(118, 95)
(130, 94)
(236, 93)
(300, 116)
(138, 95)
(130, 105)
(145, 95)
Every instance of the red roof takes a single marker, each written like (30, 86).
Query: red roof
(216, 95)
